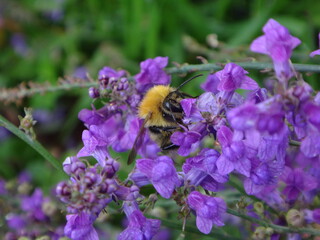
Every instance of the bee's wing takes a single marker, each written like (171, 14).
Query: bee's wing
(137, 141)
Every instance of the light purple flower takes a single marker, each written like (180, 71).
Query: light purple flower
(297, 182)
(162, 174)
(140, 227)
(316, 52)
(80, 227)
(185, 140)
(209, 210)
(234, 155)
(229, 79)
(152, 73)
(278, 44)
(201, 170)
(243, 117)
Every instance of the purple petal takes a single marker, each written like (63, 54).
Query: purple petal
(314, 53)
(204, 225)
(145, 166)
(224, 136)
(224, 165)
(259, 45)
(243, 166)
(248, 84)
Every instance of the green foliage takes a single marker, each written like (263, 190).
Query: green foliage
(92, 34)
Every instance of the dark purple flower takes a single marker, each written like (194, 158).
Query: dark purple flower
(152, 73)
(234, 155)
(3, 189)
(316, 52)
(297, 182)
(209, 210)
(161, 173)
(192, 113)
(229, 79)
(310, 145)
(262, 175)
(33, 205)
(140, 227)
(185, 140)
(201, 170)
(107, 75)
(312, 112)
(80, 227)
(16, 222)
(278, 44)
(19, 44)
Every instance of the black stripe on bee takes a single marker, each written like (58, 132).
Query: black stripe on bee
(159, 129)
(172, 117)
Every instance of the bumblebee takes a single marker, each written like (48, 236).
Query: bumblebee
(162, 114)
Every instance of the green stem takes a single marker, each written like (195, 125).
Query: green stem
(10, 95)
(233, 183)
(192, 229)
(276, 228)
(247, 65)
(33, 143)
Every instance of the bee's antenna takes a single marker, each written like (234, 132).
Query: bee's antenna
(188, 80)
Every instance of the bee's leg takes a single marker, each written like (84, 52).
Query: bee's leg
(170, 146)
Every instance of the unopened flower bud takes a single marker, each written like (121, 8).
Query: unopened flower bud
(90, 178)
(89, 197)
(112, 186)
(259, 233)
(63, 189)
(49, 208)
(94, 92)
(158, 212)
(295, 218)
(24, 188)
(77, 168)
(258, 208)
(43, 238)
(269, 231)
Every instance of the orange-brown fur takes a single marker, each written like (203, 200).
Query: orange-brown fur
(151, 104)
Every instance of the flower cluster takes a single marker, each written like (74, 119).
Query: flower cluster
(268, 140)
(27, 213)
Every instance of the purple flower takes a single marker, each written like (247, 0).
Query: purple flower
(201, 170)
(278, 44)
(191, 112)
(79, 227)
(185, 140)
(93, 147)
(16, 222)
(33, 205)
(3, 189)
(297, 182)
(234, 156)
(262, 174)
(229, 79)
(19, 44)
(106, 74)
(209, 210)
(316, 52)
(140, 227)
(162, 174)
(152, 73)
(243, 117)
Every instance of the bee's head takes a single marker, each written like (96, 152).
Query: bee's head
(172, 102)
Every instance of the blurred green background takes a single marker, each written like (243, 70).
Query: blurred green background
(41, 41)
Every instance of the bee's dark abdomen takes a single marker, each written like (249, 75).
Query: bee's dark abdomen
(160, 129)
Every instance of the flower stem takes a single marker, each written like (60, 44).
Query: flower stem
(247, 65)
(276, 228)
(11, 95)
(191, 229)
(33, 143)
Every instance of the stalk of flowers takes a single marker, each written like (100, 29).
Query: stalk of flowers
(250, 135)
(26, 213)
